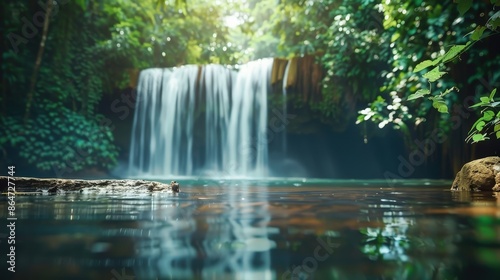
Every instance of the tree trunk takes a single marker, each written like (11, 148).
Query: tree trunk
(38, 61)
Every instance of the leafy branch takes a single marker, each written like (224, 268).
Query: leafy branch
(489, 117)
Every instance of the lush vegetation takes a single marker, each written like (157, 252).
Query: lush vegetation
(57, 71)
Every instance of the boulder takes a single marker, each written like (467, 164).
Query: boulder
(479, 175)
(496, 188)
(27, 185)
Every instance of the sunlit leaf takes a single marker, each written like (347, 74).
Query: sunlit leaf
(440, 105)
(492, 94)
(474, 125)
(420, 93)
(422, 65)
(454, 52)
(478, 137)
(477, 105)
(480, 125)
(395, 36)
(434, 74)
(488, 115)
(484, 99)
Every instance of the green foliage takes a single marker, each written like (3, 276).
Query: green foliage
(355, 48)
(63, 131)
(147, 34)
(488, 118)
(489, 123)
(448, 36)
(58, 138)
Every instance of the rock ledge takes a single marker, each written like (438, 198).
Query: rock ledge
(27, 185)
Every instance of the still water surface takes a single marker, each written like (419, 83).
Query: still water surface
(277, 229)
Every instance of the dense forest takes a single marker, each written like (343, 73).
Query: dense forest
(70, 67)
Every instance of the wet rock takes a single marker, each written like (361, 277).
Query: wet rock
(175, 186)
(479, 175)
(496, 188)
(51, 190)
(26, 185)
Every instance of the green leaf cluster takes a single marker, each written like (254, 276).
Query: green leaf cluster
(60, 139)
(489, 123)
(488, 118)
(447, 37)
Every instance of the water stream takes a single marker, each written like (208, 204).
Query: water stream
(256, 229)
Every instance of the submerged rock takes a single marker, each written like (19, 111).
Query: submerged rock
(479, 175)
(27, 185)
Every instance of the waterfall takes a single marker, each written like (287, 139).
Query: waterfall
(158, 146)
(217, 81)
(247, 145)
(284, 85)
(194, 120)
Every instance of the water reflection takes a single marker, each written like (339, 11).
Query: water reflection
(256, 231)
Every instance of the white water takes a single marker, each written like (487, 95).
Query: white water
(215, 125)
(247, 144)
(284, 84)
(218, 81)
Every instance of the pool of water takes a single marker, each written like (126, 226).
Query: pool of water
(259, 229)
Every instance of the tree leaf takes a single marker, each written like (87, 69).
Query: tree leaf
(478, 32)
(422, 65)
(480, 125)
(492, 94)
(474, 125)
(420, 93)
(488, 115)
(484, 99)
(440, 105)
(395, 36)
(426, 63)
(478, 137)
(434, 74)
(454, 52)
(464, 6)
(496, 128)
(477, 105)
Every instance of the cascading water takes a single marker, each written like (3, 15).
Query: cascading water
(158, 146)
(284, 85)
(194, 120)
(217, 81)
(247, 145)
